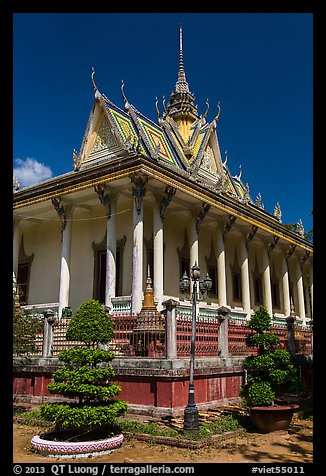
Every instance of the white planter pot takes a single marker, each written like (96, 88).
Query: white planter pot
(74, 449)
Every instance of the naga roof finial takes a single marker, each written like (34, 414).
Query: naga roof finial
(125, 100)
(206, 112)
(218, 112)
(238, 177)
(164, 106)
(93, 82)
(159, 117)
(226, 158)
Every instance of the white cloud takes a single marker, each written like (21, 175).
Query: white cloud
(30, 172)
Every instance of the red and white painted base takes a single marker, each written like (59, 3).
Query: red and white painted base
(76, 449)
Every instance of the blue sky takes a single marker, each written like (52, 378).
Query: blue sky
(258, 65)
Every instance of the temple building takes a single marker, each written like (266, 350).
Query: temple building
(143, 203)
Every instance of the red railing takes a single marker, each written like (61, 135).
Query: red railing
(60, 342)
(303, 340)
(206, 336)
(143, 337)
(238, 331)
(146, 337)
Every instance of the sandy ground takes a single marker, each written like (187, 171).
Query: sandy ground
(295, 446)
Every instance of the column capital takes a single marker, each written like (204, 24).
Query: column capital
(170, 304)
(223, 311)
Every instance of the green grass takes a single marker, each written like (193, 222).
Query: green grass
(206, 430)
(217, 426)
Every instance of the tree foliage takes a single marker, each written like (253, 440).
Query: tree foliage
(25, 328)
(87, 375)
(90, 324)
(271, 372)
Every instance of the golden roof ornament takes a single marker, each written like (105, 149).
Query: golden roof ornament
(259, 203)
(299, 228)
(277, 212)
(16, 184)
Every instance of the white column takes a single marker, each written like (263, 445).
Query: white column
(311, 290)
(194, 247)
(16, 246)
(158, 272)
(285, 287)
(111, 244)
(306, 293)
(267, 282)
(137, 257)
(245, 286)
(221, 274)
(299, 281)
(65, 263)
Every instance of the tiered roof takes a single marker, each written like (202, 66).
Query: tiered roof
(180, 139)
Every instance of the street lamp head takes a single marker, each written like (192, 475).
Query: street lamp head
(208, 282)
(202, 285)
(184, 282)
(195, 272)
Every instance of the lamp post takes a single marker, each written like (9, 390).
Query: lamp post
(191, 422)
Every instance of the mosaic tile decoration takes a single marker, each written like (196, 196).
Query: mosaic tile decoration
(123, 123)
(231, 184)
(156, 137)
(197, 149)
(239, 187)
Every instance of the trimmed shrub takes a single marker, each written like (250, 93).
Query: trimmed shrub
(87, 375)
(271, 372)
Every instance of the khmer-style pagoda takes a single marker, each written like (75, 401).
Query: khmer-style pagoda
(157, 196)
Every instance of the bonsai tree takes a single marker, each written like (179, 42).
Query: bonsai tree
(86, 376)
(270, 373)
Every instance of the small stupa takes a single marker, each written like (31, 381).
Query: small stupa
(149, 333)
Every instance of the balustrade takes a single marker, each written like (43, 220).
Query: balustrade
(133, 338)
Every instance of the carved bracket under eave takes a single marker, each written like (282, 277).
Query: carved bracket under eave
(169, 192)
(272, 244)
(138, 190)
(203, 212)
(290, 251)
(228, 225)
(59, 208)
(103, 196)
(304, 258)
(251, 235)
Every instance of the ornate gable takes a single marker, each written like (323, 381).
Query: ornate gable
(104, 139)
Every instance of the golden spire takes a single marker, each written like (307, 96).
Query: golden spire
(181, 104)
(149, 293)
(181, 85)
